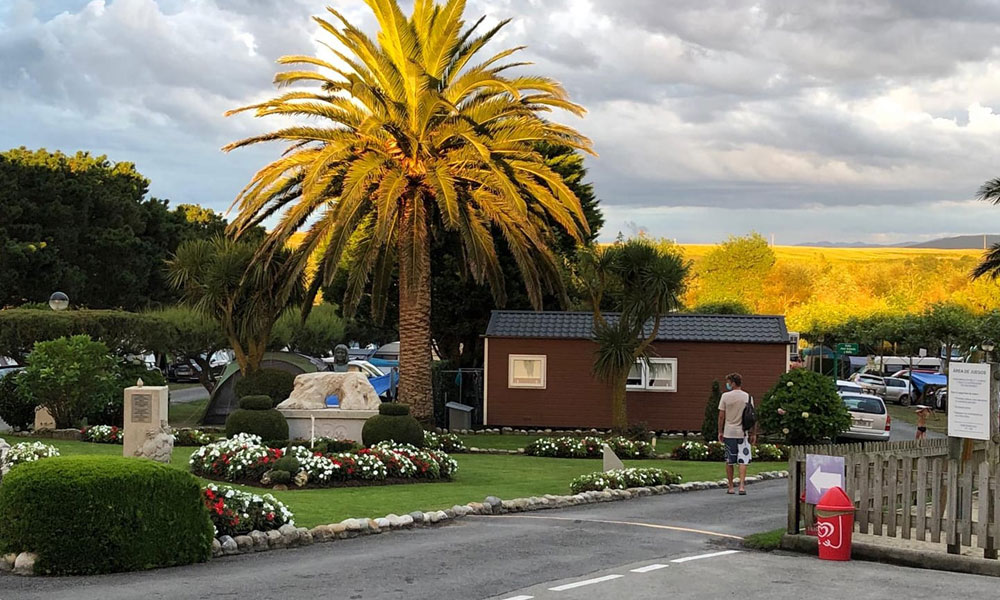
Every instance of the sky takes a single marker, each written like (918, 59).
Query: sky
(853, 120)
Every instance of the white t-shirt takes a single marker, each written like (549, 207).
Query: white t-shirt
(733, 402)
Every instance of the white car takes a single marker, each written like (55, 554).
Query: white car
(844, 385)
(870, 421)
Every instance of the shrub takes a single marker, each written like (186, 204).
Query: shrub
(275, 383)
(256, 403)
(439, 463)
(267, 422)
(27, 452)
(102, 434)
(72, 377)
(770, 452)
(15, 410)
(111, 409)
(242, 457)
(392, 424)
(639, 432)
(710, 425)
(690, 451)
(588, 447)
(620, 479)
(279, 476)
(717, 451)
(191, 437)
(288, 463)
(235, 512)
(90, 514)
(451, 444)
(813, 409)
(630, 448)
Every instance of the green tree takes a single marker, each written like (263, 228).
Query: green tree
(722, 307)
(810, 409)
(736, 270)
(950, 325)
(644, 283)
(413, 136)
(221, 279)
(71, 377)
(67, 219)
(322, 329)
(710, 425)
(193, 335)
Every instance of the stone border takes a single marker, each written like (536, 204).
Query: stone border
(289, 536)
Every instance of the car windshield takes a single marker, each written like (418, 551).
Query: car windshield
(861, 404)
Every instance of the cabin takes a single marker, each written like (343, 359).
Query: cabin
(539, 368)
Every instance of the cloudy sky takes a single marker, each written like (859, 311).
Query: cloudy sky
(850, 120)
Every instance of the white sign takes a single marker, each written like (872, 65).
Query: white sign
(969, 401)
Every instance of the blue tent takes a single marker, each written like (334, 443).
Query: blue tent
(922, 380)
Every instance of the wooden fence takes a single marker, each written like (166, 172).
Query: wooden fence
(911, 490)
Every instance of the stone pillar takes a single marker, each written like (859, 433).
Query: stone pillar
(145, 408)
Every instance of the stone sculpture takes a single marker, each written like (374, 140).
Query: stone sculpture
(159, 445)
(4, 449)
(352, 389)
(340, 358)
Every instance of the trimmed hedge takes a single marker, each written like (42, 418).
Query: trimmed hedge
(100, 514)
(268, 424)
(392, 424)
(261, 402)
(275, 383)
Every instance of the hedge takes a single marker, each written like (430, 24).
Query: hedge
(275, 383)
(100, 514)
(589, 447)
(392, 424)
(621, 479)
(122, 331)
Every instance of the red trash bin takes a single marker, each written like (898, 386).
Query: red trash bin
(835, 524)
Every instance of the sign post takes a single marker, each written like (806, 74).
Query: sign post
(822, 473)
(849, 349)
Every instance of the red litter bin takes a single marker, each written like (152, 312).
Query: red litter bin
(834, 525)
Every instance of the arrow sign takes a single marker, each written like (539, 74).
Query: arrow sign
(822, 473)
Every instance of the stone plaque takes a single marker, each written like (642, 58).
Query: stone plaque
(142, 408)
(44, 419)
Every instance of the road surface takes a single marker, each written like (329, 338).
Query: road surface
(611, 550)
(190, 394)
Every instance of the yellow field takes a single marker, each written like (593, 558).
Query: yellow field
(847, 255)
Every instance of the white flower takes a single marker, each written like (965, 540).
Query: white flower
(785, 431)
(790, 384)
(805, 415)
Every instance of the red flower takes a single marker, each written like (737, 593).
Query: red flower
(270, 516)
(210, 494)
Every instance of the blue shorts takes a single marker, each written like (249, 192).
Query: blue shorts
(737, 451)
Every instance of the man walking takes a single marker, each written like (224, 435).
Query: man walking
(731, 432)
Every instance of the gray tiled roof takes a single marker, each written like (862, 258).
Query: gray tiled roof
(675, 327)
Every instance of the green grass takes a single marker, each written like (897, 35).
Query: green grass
(936, 422)
(187, 414)
(478, 476)
(176, 387)
(766, 540)
(514, 442)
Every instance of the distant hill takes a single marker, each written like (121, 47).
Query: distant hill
(961, 242)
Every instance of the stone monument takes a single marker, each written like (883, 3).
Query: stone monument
(145, 415)
(340, 358)
(44, 419)
(159, 444)
(308, 415)
(611, 460)
(4, 449)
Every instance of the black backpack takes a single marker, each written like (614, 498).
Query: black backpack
(749, 416)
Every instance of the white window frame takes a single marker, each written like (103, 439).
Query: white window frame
(541, 358)
(645, 387)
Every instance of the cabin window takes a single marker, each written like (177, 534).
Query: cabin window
(656, 375)
(526, 371)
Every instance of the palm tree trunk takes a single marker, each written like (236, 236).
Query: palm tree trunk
(619, 408)
(415, 314)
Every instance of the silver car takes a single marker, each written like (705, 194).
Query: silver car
(871, 384)
(870, 421)
(897, 390)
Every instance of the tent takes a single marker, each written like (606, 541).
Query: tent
(922, 380)
(224, 400)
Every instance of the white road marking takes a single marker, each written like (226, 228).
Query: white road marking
(700, 556)
(569, 586)
(519, 598)
(648, 568)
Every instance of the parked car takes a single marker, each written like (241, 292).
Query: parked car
(183, 371)
(897, 390)
(870, 421)
(905, 373)
(940, 397)
(871, 384)
(848, 386)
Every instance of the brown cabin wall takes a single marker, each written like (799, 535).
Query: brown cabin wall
(574, 398)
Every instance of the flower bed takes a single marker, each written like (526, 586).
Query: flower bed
(446, 442)
(620, 479)
(588, 447)
(716, 451)
(191, 437)
(245, 459)
(235, 512)
(27, 452)
(102, 434)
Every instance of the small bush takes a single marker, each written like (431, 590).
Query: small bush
(770, 452)
(690, 451)
(275, 383)
(716, 451)
(103, 434)
(393, 409)
(639, 432)
(27, 452)
(15, 410)
(813, 411)
(111, 411)
(235, 512)
(280, 476)
(588, 447)
(100, 514)
(268, 424)
(256, 403)
(191, 437)
(403, 429)
(241, 457)
(620, 479)
(710, 425)
(287, 463)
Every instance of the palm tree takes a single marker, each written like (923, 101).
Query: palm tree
(644, 283)
(221, 279)
(412, 135)
(990, 265)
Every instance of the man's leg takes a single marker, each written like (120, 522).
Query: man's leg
(729, 475)
(743, 476)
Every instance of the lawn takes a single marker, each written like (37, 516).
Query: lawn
(176, 387)
(937, 422)
(187, 414)
(478, 476)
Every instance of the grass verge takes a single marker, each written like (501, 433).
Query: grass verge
(936, 422)
(765, 540)
(187, 414)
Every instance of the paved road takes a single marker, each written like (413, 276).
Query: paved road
(191, 394)
(589, 552)
(901, 431)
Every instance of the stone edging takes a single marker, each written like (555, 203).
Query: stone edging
(289, 536)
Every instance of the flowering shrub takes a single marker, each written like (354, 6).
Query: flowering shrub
(430, 464)
(235, 512)
(27, 452)
(588, 447)
(691, 451)
(805, 407)
(242, 457)
(716, 451)
(325, 469)
(102, 434)
(771, 452)
(620, 479)
(447, 442)
(191, 437)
